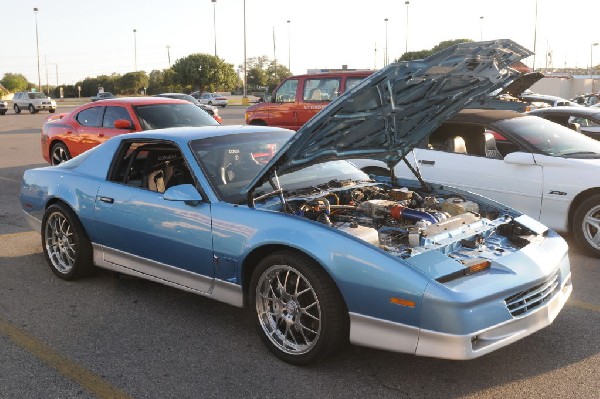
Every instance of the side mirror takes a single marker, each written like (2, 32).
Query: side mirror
(575, 126)
(519, 158)
(123, 124)
(183, 192)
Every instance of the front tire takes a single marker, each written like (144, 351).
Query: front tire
(59, 154)
(52, 111)
(586, 225)
(32, 109)
(300, 314)
(17, 109)
(65, 243)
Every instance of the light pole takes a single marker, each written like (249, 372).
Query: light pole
(534, 36)
(169, 54)
(406, 37)
(289, 46)
(591, 63)
(385, 56)
(135, 49)
(37, 45)
(245, 97)
(215, 23)
(481, 29)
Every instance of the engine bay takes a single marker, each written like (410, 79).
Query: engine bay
(406, 222)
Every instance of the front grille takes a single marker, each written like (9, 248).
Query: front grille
(530, 299)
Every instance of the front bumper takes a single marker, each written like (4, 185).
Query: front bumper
(381, 334)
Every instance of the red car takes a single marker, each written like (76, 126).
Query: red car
(65, 136)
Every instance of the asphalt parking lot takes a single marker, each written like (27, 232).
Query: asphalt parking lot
(120, 337)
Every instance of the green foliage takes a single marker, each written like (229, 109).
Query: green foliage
(421, 54)
(204, 72)
(14, 82)
(133, 82)
(263, 72)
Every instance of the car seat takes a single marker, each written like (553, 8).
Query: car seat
(456, 144)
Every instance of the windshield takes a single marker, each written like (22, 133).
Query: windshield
(231, 162)
(34, 96)
(162, 116)
(551, 138)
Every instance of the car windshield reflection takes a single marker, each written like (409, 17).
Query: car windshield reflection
(162, 116)
(551, 138)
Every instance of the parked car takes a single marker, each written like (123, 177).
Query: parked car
(544, 170)
(67, 135)
(106, 95)
(211, 99)
(299, 98)
(582, 119)
(542, 100)
(33, 101)
(212, 110)
(588, 99)
(321, 255)
(3, 107)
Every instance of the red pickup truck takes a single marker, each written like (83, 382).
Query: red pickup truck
(299, 98)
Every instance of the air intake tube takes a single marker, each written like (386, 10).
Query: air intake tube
(400, 212)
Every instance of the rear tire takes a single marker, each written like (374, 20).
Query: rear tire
(65, 243)
(17, 109)
(586, 225)
(300, 314)
(52, 111)
(59, 154)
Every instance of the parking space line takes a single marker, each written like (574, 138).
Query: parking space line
(584, 305)
(88, 380)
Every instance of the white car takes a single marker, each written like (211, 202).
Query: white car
(541, 168)
(34, 101)
(212, 99)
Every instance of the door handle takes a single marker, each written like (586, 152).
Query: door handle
(108, 200)
(426, 162)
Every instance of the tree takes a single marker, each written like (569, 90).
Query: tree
(421, 54)
(133, 82)
(14, 82)
(204, 72)
(263, 72)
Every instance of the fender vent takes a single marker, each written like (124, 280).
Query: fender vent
(526, 301)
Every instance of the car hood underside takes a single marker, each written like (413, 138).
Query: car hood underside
(388, 113)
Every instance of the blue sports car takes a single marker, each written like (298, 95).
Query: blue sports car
(321, 253)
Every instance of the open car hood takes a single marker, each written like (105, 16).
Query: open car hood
(522, 83)
(391, 111)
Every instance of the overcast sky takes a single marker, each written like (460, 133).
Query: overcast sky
(88, 38)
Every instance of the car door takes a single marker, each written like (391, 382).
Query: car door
(88, 130)
(112, 114)
(140, 230)
(316, 94)
(282, 111)
(454, 160)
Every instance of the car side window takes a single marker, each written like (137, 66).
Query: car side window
(115, 113)
(469, 139)
(584, 122)
(321, 89)
(150, 166)
(286, 93)
(90, 116)
(351, 82)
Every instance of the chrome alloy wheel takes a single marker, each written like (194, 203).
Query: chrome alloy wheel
(591, 226)
(60, 243)
(59, 155)
(288, 309)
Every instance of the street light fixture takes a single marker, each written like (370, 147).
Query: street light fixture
(385, 56)
(37, 45)
(480, 28)
(245, 97)
(135, 49)
(215, 23)
(406, 37)
(289, 47)
(591, 63)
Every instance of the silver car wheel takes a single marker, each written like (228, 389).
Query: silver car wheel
(60, 243)
(288, 309)
(591, 226)
(59, 155)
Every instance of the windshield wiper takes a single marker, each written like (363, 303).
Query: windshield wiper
(579, 153)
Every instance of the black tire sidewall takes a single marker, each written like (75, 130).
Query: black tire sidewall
(334, 315)
(59, 145)
(83, 257)
(578, 216)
